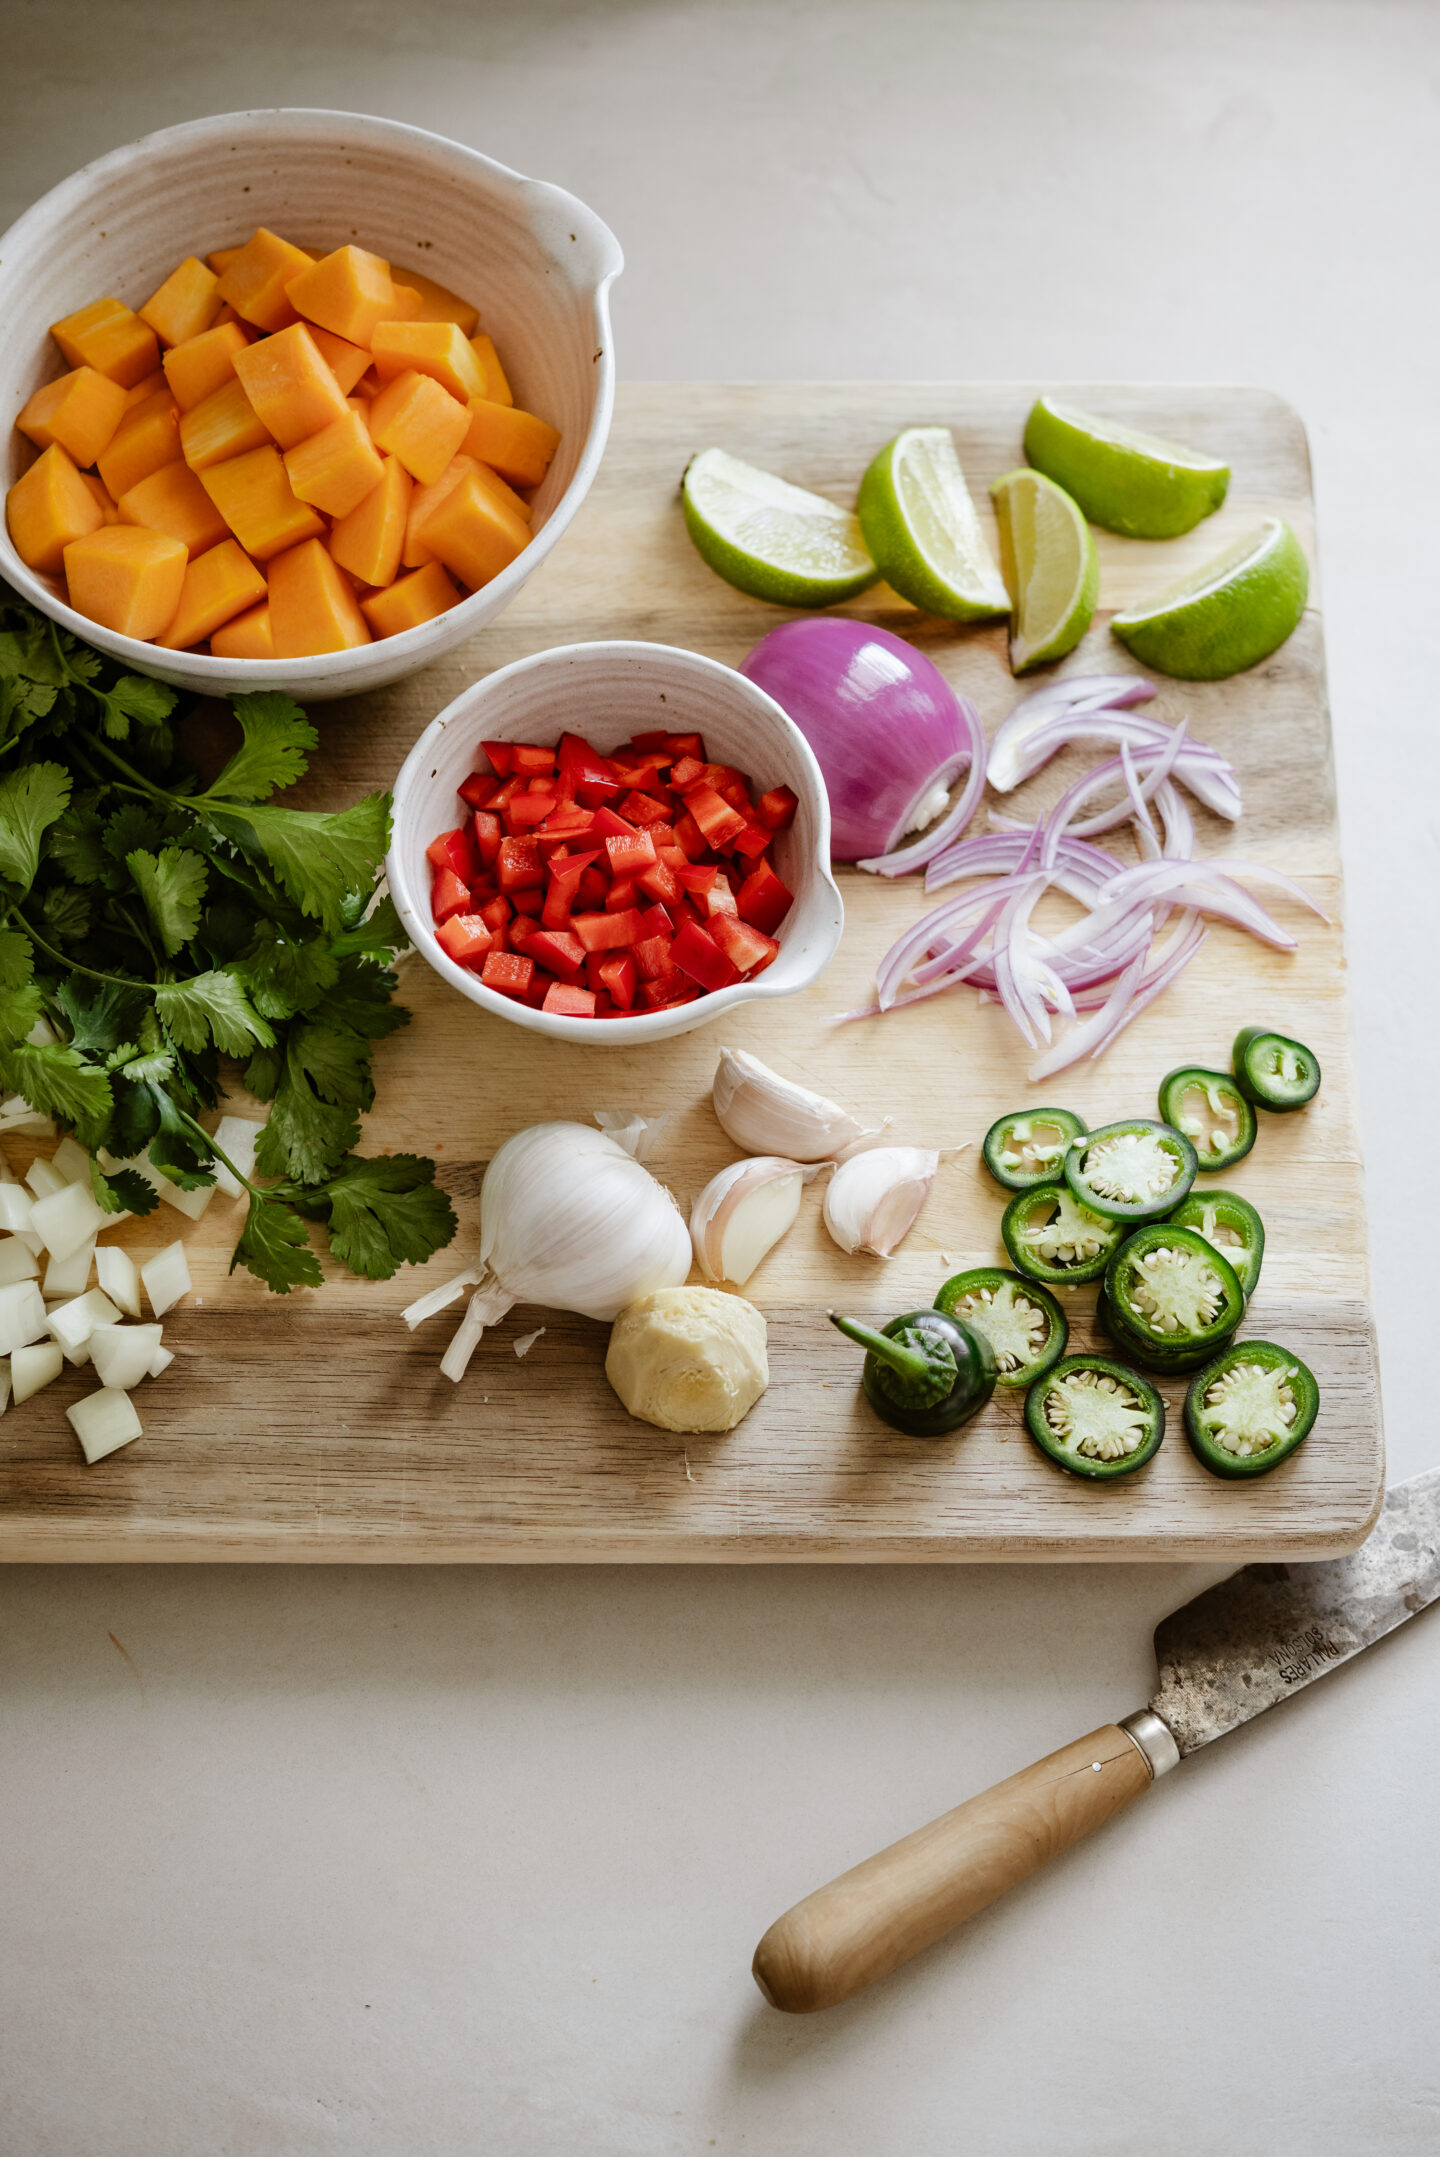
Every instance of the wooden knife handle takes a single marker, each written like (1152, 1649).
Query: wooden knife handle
(873, 1918)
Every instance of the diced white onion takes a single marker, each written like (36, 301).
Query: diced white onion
(44, 1180)
(22, 1316)
(15, 1207)
(69, 1276)
(67, 1219)
(122, 1355)
(34, 1367)
(167, 1278)
(119, 1276)
(236, 1136)
(71, 1161)
(73, 1323)
(191, 1203)
(160, 1361)
(17, 1261)
(103, 1422)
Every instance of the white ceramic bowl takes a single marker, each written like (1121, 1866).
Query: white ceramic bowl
(535, 261)
(608, 692)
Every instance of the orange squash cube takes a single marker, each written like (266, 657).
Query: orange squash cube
(423, 502)
(247, 637)
(108, 511)
(47, 508)
(80, 411)
(147, 437)
(438, 303)
(433, 348)
(203, 364)
(408, 304)
(289, 385)
(147, 388)
(126, 578)
(253, 281)
(221, 260)
(336, 468)
(218, 585)
(367, 542)
(497, 390)
(346, 292)
(225, 424)
(185, 305)
(172, 500)
(514, 443)
(474, 531)
(107, 336)
(346, 362)
(252, 494)
(414, 419)
(414, 599)
(313, 607)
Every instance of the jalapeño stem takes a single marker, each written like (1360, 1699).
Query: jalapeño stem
(907, 1361)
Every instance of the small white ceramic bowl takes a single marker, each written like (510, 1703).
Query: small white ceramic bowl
(535, 261)
(609, 692)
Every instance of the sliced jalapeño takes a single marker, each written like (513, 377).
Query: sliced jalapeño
(1273, 1071)
(1025, 1326)
(1231, 1223)
(1170, 1296)
(1094, 1417)
(1051, 1237)
(1132, 1171)
(1249, 1408)
(1211, 1111)
(1028, 1146)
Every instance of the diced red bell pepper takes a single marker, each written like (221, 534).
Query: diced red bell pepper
(455, 850)
(686, 745)
(580, 765)
(687, 772)
(449, 895)
(776, 810)
(591, 890)
(560, 893)
(558, 949)
(621, 894)
(525, 811)
(696, 879)
(719, 821)
(507, 972)
(702, 959)
(652, 955)
(628, 856)
(482, 891)
(660, 883)
(659, 742)
(607, 932)
(528, 758)
(752, 841)
(501, 755)
(610, 826)
(671, 987)
(568, 822)
(619, 976)
(689, 837)
(502, 796)
(719, 899)
(522, 927)
(569, 1002)
(496, 914)
(475, 791)
(763, 900)
(683, 909)
(530, 902)
(645, 809)
(748, 950)
(538, 990)
(655, 922)
(488, 832)
(464, 938)
(518, 866)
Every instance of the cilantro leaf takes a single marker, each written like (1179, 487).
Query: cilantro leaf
(320, 859)
(123, 1190)
(178, 1152)
(65, 913)
(212, 1007)
(59, 1082)
(304, 1136)
(284, 977)
(172, 884)
(273, 754)
(377, 936)
(132, 825)
(102, 1017)
(275, 1246)
(32, 798)
(20, 1000)
(76, 844)
(136, 697)
(385, 1213)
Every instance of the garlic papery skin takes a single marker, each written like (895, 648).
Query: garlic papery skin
(767, 1114)
(689, 1359)
(741, 1215)
(874, 1197)
(568, 1220)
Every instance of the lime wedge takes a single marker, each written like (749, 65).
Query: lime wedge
(1051, 569)
(920, 524)
(1226, 616)
(1128, 481)
(770, 539)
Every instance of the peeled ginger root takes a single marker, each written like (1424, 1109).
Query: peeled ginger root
(689, 1359)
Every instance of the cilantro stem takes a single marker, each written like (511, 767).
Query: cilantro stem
(77, 966)
(218, 1153)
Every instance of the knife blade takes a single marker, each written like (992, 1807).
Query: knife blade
(1241, 1647)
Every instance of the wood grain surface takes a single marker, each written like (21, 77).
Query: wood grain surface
(316, 1428)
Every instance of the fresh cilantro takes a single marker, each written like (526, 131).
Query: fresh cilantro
(136, 697)
(386, 1213)
(172, 884)
(32, 798)
(274, 753)
(212, 1007)
(59, 1082)
(275, 1246)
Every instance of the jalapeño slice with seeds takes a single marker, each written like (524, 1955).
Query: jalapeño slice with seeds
(1211, 1111)
(1273, 1071)
(1025, 1326)
(1028, 1146)
(1094, 1417)
(1051, 1237)
(1231, 1223)
(1169, 1362)
(1133, 1171)
(1170, 1293)
(1249, 1408)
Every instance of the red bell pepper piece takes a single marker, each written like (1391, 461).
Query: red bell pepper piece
(719, 821)
(652, 956)
(645, 809)
(537, 992)
(518, 866)
(560, 893)
(569, 1002)
(671, 987)
(475, 791)
(450, 895)
(660, 883)
(696, 879)
(752, 841)
(501, 755)
(530, 902)
(591, 890)
(763, 900)
(619, 977)
(507, 972)
(502, 796)
(686, 745)
(749, 950)
(525, 811)
(455, 850)
(702, 959)
(689, 837)
(495, 914)
(659, 743)
(610, 826)
(582, 766)
(558, 949)
(719, 899)
(607, 932)
(464, 938)
(688, 772)
(622, 893)
(528, 758)
(628, 856)
(655, 922)
(776, 810)
(487, 831)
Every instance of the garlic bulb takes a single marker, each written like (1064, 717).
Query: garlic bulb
(875, 1196)
(569, 1220)
(689, 1359)
(742, 1213)
(767, 1114)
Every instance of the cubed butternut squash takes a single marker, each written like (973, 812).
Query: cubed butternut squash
(147, 437)
(408, 304)
(112, 339)
(497, 390)
(474, 531)
(253, 282)
(253, 495)
(422, 504)
(203, 364)
(367, 542)
(218, 585)
(336, 468)
(80, 411)
(101, 492)
(146, 388)
(289, 384)
(433, 348)
(438, 303)
(346, 362)
(221, 259)
(414, 419)
(247, 637)
(225, 424)
(513, 443)
(126, 578)
(185, 305)
(172, 500)
(346, 292)
(411, 600)
(49, 507)
(313, 607)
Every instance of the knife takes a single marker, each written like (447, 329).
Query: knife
(1241, 1647)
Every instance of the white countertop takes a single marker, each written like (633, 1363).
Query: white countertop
(432, 1862)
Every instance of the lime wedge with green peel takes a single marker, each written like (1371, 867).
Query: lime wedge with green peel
(1051, 569)
(770, 539)
(1228, 615)
(920, 524)
(1124, 480)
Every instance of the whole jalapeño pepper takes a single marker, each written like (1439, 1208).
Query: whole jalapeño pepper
(926, 1373)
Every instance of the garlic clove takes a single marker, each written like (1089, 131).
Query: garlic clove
(771, 1115)
(741, 1215)
(874, 1197)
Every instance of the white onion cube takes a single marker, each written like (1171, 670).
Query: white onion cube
(236, 1136)
(161, 1361)
(191, 1203)
(69, 1276)
(17, 1261)
(103, 1422)
(32, 1368)
(122, 1355)
(71, 1161)
(119, 1276)
(68, 1218)
(166, 1278)
(15, 1208)
(73, 1323)
(22, 1316)
(42, 1034)
(44, 1180)
(16, 1114)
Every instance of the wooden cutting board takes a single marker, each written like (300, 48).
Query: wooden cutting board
(318, 1428)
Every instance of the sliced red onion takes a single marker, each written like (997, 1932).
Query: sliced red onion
(1078, 1041)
